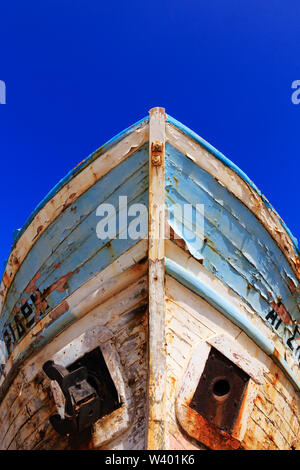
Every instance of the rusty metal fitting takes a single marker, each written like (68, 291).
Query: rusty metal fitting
(156, 153)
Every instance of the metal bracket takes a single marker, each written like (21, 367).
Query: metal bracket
(83, 404)
(220, 391)
(156, 153)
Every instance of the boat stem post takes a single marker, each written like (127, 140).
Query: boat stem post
(156, 438)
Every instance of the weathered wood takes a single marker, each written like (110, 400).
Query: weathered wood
(238, 186)
(157, 352)
(155, 335)
(124, 315)
(65, 196)
(277, 423)
(231, 244)
(183, 258)
(239, 356)
(69, 253)
(104, 285)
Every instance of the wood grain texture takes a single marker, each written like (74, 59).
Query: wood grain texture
(69, 252)
(148, 325)
(240, 187)
(157, 354)
(234, 246)
(82, 179)
(25, 410)
(274, 421)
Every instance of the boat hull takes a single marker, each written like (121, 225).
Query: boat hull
(195, 320)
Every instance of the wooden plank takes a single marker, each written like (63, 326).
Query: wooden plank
(105, 284)
(237, 249)
(231, 225)
(124, 316)
(237, 354)
(276, 399)
(206, 317)
(75, 229)
(239, 187)
(157, 350)
(65, 197)
(183, 258)
(73, 252)
(130, 308)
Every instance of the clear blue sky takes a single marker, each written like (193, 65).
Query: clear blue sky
(79, 71)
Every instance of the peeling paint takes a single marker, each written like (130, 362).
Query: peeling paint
(234, 246)
(68, 253)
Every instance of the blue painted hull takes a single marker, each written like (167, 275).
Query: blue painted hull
(234, 245)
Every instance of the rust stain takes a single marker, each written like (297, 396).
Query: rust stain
(239, 358)
(157, 149)
(281, 311)
(15, 260)
(40, 302)
(38, 231)
(276, 378)
(297, 267)
(258, 398)
(6, 280)
(60, 285)
(208, 433)
(276, 354)
(68, 202)
(291, 285)
(32, 284)
(173, 380)
(40, 305)
(94, 176)
(80, 163)
(37, 340)
(110, 250)
(16, 309)
(170, 338)
(220, 409)
(241, 415)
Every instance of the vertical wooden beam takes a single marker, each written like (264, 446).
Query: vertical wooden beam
(157, 341)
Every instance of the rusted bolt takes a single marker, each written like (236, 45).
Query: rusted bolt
(156, 153)
(157, 147)
(156, 160)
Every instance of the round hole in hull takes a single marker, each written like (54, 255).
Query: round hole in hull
(221, 388)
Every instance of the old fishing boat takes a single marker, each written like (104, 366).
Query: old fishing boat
(151, 301)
